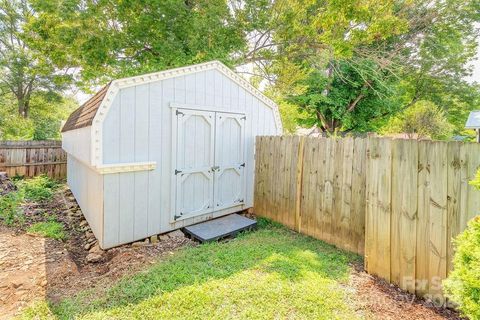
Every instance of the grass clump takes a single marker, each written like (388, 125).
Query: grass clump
(271, 273)
(50, 229)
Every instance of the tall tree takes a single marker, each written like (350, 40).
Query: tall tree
(310, 50)
(23, 69)
(112, 38)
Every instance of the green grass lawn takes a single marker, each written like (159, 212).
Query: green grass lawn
(50, 229)
(271, 273)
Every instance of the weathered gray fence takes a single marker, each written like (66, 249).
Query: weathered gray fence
(32, 158)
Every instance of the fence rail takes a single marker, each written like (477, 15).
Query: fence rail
(397, 202)
(32, 158)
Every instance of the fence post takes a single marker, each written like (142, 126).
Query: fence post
(299, 178)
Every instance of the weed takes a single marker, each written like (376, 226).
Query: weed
(38, 189)
(10, 211)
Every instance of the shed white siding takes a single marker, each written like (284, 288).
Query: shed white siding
(87, 187)
(77, 143)
(137, 128)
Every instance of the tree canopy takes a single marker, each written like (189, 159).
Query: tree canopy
(23, 68)
(341, 65)
(108, 39)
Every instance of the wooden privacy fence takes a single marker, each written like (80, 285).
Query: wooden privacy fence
(315, 186)
(398, 202)
(32, 158)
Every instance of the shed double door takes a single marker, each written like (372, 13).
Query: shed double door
(209, 161)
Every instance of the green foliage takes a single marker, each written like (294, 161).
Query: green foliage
(40, 188)
(476, 181)
(250, 277)
(110, 39)
(463, 283)
(40, 310)
(326, 55)
(423, 119)
(10, 211)
(44, 123)
(351, 99)
(24, 68)
(291, 116)
(37, 189)
(50, 229)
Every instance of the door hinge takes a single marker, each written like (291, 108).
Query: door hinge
(215, 168)
(179, 112)
(243, 118)
(175, 217)
(242, 165)
(177, 171)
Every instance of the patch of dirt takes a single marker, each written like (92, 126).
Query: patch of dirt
(382, 300)
(34, 268)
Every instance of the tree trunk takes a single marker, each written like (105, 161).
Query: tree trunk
(23, 107)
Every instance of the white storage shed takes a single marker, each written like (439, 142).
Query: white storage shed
(157, 152)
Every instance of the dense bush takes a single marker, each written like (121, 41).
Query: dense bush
(463, 283)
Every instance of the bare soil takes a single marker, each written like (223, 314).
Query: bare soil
(382, 300)
(35, 268)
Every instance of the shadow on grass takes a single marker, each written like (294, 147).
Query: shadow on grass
(271, 250)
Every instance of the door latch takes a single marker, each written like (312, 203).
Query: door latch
(215, 168)
(177, 171)
(179, 113)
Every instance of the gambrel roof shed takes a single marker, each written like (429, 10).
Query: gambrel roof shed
(156, 152)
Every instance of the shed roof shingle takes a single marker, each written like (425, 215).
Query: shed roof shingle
(83, 116)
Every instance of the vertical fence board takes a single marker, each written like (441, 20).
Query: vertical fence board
(438, 216)
(404, 213)
(346, 190)
(358, 195)
(423, 230)
(298, 184)
(337, 191)
(379, 205)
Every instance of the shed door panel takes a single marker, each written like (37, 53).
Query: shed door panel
(229, 185)
(194, 160)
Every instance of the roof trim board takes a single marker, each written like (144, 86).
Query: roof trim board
(116, 85)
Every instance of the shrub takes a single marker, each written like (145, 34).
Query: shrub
(50, 229)
(38, 189)
(463, 284)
